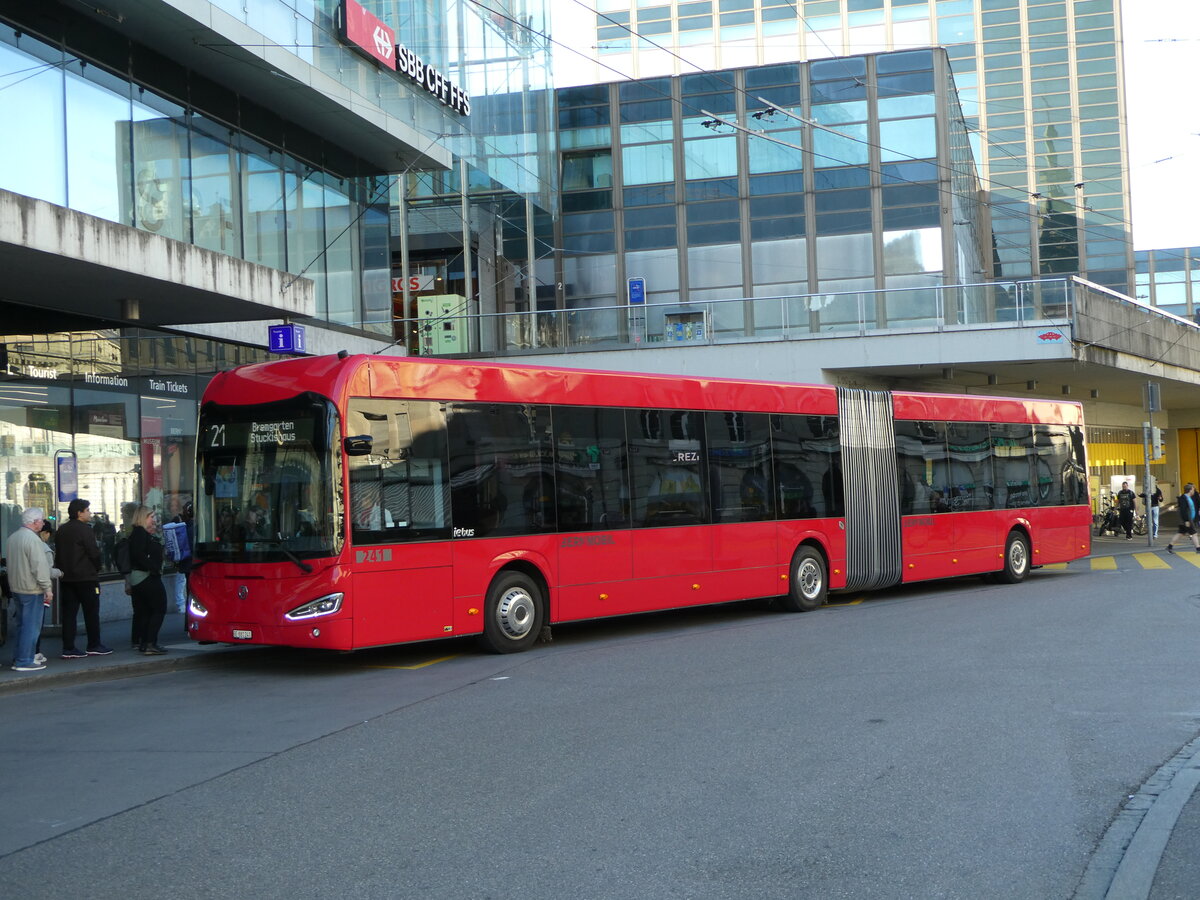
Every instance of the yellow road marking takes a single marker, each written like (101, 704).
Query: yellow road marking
(1104, 562)
(1055, 566)
(1151, 561)
(1190, 555)
(848, 602)
(417, 665)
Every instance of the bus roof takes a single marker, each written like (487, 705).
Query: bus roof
(471, 381)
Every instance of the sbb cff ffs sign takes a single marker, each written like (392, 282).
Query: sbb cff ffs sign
(361, 28)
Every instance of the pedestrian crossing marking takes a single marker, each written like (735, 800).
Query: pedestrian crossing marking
(1151, 561)
(1059, 566)
(1191, 556)
(1104, 563)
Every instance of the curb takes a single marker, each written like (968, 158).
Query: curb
(89, 675)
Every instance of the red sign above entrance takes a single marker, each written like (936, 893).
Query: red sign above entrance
(367, 33)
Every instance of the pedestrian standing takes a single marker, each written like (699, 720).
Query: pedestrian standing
(29, 579)
(145, 581)
(47, 536)
(183, 559)
(1126, 504)
(78, 555)
(1154, 501)
(1187, 517)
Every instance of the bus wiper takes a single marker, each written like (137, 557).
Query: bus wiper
(278, 542)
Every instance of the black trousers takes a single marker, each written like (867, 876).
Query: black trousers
(149, 608)
(1126, 518)
(74, 596)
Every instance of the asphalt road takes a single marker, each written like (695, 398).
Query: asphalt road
(950, 740)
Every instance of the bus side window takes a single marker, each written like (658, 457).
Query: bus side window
(806, 466)
(591, 468)
(1012, 462)
(923, 468)
(400, 490)
(667, 463)
(500, 473)
(739, 454)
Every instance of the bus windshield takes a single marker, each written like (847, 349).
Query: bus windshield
(267, 491)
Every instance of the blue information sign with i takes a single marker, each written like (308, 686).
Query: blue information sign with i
(285, 338)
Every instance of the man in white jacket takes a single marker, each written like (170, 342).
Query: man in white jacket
(29, 581)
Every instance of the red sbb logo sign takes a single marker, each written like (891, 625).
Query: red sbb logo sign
(367, 33)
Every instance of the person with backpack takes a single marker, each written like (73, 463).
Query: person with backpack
(145, 581)
(77, 554)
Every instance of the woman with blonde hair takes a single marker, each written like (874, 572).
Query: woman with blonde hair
(145, 581)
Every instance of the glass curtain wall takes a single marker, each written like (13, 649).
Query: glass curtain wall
(122, 404)
(801, 199)
(104, 145)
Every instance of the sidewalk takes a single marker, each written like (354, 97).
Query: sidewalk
(123, 662)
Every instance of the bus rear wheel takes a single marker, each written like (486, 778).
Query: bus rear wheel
(1016, 559)
(513, 614)
(808, 582)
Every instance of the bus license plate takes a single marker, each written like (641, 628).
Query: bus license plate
(242, 634)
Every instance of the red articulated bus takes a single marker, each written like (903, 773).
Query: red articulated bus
(356, 501)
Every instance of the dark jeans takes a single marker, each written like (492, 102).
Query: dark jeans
(1126, 518)
(74, 596)
(149, 607)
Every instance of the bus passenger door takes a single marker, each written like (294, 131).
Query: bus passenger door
(402, 593)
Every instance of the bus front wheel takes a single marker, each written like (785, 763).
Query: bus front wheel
(808, 582)
(514, 614)
(1016, 559)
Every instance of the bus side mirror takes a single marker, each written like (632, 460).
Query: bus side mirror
(357, 445)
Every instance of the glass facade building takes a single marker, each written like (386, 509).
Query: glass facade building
(833, 176)
(1039, 80)
(1170, 280)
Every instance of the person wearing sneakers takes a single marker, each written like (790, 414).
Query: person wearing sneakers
(1187, 517)
(78, 555)
(29, 580)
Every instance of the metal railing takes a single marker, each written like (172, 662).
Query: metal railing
(782, 318)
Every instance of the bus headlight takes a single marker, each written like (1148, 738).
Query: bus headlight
(322, 606)
(196, 608)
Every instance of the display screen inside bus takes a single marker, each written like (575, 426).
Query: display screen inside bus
(267, 485)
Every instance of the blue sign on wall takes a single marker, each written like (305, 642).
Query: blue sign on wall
(637, 291)
(67, 476)
(285, 338)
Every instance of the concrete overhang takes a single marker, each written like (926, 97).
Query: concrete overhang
(60, 263)
(203, 37)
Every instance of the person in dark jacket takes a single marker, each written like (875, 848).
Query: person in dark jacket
(1187, 517)
(78, 556)
(1126, 506)
(145, 581)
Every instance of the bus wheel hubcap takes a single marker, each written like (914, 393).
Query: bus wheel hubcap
(809, 578)
(1016, 557)
(515, 613)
